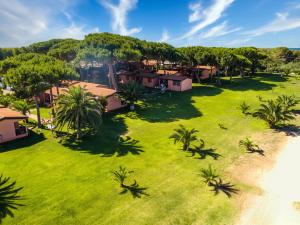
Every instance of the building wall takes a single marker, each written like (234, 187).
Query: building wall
(173, 87)
(150, 82)
(206, 73)
(113, 103)
(184, 85)
(124, 79)
(7, 130)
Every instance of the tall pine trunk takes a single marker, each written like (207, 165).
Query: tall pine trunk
(38, 113)
(211, 74)
(51, 101)
(112, 80)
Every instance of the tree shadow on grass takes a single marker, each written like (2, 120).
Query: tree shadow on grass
(271, 77)
(245, 84)
(227, 188)
(290, 130)
(9, 198)
(108, 141)
(32, 139)
(206, 90)
(204, 153)
(171, 106)
(135, 190)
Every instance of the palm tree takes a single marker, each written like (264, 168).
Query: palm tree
(248, 144)
(121, 175)
(8, 198)
(185, 136)
(209, 175)
(21, 106)
(245, 108)
(273, 113)
(130, 93)
(78, 110)
(287, 102)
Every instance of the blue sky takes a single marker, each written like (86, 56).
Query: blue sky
(230, 23)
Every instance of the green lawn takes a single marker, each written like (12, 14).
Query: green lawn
(71, 183)
(44, 112)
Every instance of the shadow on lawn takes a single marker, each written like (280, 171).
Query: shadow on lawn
(171, 106)
(204, 153)
(271, 77)
(108, 141)
(226, 187)
(135, 190)
(32, 139)
(245, 84)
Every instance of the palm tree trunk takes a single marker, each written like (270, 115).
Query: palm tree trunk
(38, 113)
(78, 133)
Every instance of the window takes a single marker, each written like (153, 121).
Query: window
(176, 82)
(19, 129)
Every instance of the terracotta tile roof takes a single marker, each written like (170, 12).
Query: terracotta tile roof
(94, 89)
(173, 77)
(6, 113)
(150, 62)
(204, 67)
(54, 90)
(167, 72)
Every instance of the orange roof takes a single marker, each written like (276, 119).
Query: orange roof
(168, 72)
(150, 62)
(204, 67)
(6, 113)
(173, 77)
(54, 90)
(94, 89)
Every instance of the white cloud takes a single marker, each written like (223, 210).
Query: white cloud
(282, 22)
(196, 12)
(219, 30)
(73, 30)
(119, 13)
(297, 6)
(237, 42)
(165, 36)
(76, 32)
(24, 22)
(209, 16)
(19, 20)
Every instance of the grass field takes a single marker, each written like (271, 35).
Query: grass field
(71, 183)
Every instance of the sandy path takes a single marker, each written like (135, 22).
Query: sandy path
(281, 189)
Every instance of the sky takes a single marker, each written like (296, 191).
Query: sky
(228, 23)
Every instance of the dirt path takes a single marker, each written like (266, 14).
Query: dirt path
(281, 191)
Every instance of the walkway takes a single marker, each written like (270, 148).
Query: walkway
(281, 186)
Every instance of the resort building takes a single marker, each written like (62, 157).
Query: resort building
(125, 76)
(11, 127)
(150, 80)
(97, 90)
(176, 82)
(205, 72)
